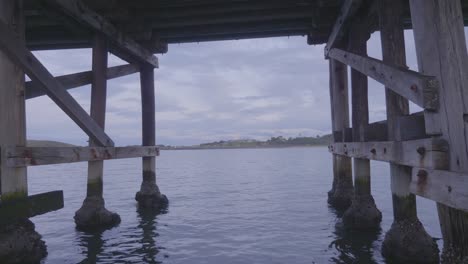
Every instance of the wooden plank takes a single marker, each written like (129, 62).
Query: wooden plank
(348, 9)
(409, 127)
(445, 187)
(441, 50)
(376, 131)
(38, 73)
(420, 89)
(13, 181)
(26, 207)
(34, 156)
(424, 153)
(75, 80)
(81, 13)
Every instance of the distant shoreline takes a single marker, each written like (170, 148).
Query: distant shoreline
(249, 147)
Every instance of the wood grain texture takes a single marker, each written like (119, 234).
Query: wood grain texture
(13, 181)
(75, 80)
(348, 8)
(424, 153)
(445, 187)
(420, 89)
(38, 73)
(441, 51)
(34, 156)
(84, 15)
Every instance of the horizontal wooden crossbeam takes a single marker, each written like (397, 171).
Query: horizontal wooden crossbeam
(430, 153)
(33, 156)
(25, 207)
(75, 80)
(18, 53)
(82, 14)
(409, 127)
(442, 186)
(419, 89)
(348, 9)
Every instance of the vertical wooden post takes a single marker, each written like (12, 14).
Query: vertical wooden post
(98, 109)
(407, 240)
(93, 213)
(12, 113)
(149, 195)
(441, 50)
(23, 246)
(342, 189)
(363, 213)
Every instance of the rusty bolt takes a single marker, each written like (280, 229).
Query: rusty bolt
(422, 174)
(421, 150)
(414, 88)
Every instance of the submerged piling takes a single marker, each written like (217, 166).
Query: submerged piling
(93, 214)
(363, 213)
(19, 242)
(149, 195)
(407, 241)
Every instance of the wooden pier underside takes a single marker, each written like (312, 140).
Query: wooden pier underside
(156, 23)
(429, 148)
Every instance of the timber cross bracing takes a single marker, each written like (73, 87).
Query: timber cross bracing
(427, 152)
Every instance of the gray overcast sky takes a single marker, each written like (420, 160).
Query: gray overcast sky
(211, 91)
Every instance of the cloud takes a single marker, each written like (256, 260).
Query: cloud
(212, 91)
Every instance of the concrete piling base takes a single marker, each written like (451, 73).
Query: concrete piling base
(153, 200)
(20, 243)
(362, 214)
(341, 195)
(451, 255)
(408, 242)
(149, 196)
(94, 215)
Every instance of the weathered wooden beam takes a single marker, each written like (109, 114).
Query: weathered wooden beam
(17, 52)
(445, 187)
(376, 131)
(81, 13)
(33, 156)
(441, 51)
(75, 80)
(25, 207)
(13, 181)
(408, 127)
(416, 87)
(425, 153)
(348, 9)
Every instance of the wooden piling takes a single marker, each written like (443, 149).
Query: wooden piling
(93, 213)
(363, 213)
(407, 240)
(149, 195)
(441, 50)
(341, 194)
(19, 241)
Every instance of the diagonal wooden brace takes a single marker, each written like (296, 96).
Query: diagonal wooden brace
(17, 52)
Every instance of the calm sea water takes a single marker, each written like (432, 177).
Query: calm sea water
(226, 206)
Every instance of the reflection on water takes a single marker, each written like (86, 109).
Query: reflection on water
(354, 246)
(227, 206)
(93, 243)
(147, 223)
